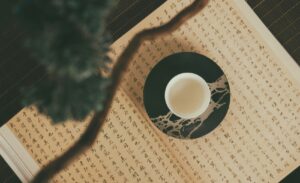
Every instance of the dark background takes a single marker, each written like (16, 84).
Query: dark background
(16, 70)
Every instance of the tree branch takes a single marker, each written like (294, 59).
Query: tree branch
(118, 71)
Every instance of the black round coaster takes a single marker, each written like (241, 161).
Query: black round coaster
(156, 106)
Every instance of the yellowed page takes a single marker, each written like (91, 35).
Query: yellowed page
(258, 141)
(126, 150)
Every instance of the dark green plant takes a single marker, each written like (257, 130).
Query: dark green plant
(68, 38)
(64, 55)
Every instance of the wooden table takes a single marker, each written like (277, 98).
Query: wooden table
(16, 70)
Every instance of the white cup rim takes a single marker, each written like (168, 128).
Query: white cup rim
(206, 90)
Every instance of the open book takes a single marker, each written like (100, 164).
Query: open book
(258, 141)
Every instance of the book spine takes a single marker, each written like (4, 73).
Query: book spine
(16, 156)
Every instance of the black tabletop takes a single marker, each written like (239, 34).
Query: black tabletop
(280, 16)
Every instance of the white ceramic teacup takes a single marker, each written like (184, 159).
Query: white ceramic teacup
(187, 95)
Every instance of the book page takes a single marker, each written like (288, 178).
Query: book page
(258, 141)
(126, 150)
